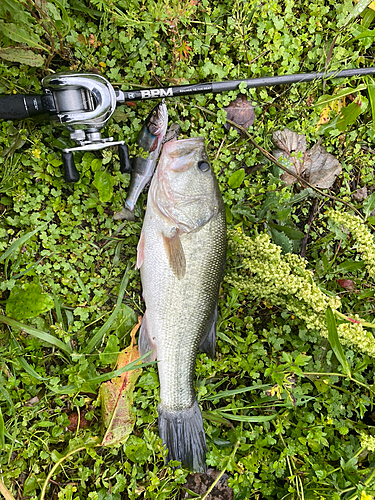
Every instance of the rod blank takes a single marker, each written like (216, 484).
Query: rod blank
(216, 87)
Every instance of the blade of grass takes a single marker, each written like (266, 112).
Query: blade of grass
(248, 418)
(367, 18)
(335, 342)
(5, 492)
(67, 389)
(371, 94)
(357, 10)
(80, 282)
(7, 397)
(225, 338)
(25, 365)
(103, 330)
(2, 430)
(339, 95)
(23, 273)
(232, 392)
(21, 241)
(28, 369)
(116, 373)
(46, 337)
(58, 308)
(218, 419)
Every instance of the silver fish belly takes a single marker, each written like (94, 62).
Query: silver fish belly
(181, 256)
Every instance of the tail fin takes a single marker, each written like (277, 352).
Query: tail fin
(183, 434)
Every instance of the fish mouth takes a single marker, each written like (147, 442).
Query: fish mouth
(157, 119)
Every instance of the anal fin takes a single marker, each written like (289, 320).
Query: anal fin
(208, 342)
(145, 343)
(140, 250)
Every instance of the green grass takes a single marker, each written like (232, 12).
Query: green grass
(288, 413)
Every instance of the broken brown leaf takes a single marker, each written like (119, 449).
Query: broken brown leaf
(291, 152)
(322, 167)
(316, 165)
(240, 111)
(73, 419)
(361, 194)
(116, 397)
(32, 401)
(347, 284)
(199, 483)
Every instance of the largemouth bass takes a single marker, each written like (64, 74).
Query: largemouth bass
(181, 255)
(150, 139)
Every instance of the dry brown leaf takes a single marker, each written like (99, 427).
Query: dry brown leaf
(200, 482)
(116, 397)
(361, 194)
(240, 111)
(323, 167)
(316, 165)
(347, 284)
(291, 152)
(73, 419)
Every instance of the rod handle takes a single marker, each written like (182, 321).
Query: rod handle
(20, 106)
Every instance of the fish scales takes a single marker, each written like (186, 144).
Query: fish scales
(184, 309)
(185, 213)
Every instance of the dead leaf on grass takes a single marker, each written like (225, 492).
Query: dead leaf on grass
(199, 483)
(316, 165)
(361, 194)
(240, 111)
(347, 284)
(116, 397)
(74, 418)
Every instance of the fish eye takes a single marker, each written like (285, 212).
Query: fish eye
(203, 166)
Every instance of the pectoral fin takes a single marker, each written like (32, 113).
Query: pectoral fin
(175, 253)
(208, 342)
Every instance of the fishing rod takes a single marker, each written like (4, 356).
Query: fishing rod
(83, 103)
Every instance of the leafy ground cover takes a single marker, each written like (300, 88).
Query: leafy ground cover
(288, 401)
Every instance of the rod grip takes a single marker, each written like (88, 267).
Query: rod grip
(20, 106)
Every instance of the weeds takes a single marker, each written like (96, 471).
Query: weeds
(288, 412)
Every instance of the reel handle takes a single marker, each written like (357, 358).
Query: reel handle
(71, 173)
(125, 165)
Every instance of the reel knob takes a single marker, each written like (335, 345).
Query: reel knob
(71, 173)
(125, 165)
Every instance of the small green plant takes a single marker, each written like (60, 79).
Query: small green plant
(287, 402)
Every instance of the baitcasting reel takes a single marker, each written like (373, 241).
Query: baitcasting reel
(83, 103)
